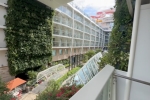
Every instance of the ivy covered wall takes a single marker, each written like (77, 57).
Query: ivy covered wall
(28, 34)
(119, 46)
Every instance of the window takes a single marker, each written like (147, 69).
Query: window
(79, 50)
(60, 51)
(53, 52)
(74, 50)
(66, 51)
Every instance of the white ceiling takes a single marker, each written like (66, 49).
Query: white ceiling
(54, 3)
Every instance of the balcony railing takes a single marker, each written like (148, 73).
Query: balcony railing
(62, 21)
(61, 44)
(62, 32)
(100, 87)
(78, 18)
(86, 44)
(65, 10)
(78, 27)
(3, 48)
(77, 44)
(78, 36)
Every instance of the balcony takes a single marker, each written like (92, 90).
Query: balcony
(66, 11)
(54, 3)
(2, 27)
(3, 5)
(77, 44)
(78, 27)
(78, 35)
(62, 33)
(3, 49)
(62, 21)
(61, 44)
(86, 44)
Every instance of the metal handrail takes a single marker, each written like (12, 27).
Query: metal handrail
(132, 79)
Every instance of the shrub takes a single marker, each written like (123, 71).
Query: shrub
(90, 54)
(3, 89)
(32, 74)
(85, 58)
(54, 93)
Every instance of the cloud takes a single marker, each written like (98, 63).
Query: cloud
(93, 6)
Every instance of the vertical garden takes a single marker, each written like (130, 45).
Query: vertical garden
(28, 35)
(119, 46)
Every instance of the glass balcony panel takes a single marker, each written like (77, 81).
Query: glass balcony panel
(56, 19)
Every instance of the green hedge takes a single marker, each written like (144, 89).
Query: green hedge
(66, 76)
(28, 34)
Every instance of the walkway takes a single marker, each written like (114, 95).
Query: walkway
(29, 96)
(32, 95)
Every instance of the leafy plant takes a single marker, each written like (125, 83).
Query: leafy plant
(56, 93)
(28, 34)
(32, 75)
(85, 58)
(119, 46)
(66, 76)
(3, 90)
(90, 54)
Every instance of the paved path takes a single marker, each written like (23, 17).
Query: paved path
(44, 84)
(29, 96)
(32, 95)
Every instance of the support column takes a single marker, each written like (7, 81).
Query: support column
(132, 48)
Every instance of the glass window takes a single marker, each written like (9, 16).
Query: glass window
(66, 51)
(53, 52)
(74, 50)
(60, 52)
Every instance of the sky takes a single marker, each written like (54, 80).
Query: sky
(93, 6)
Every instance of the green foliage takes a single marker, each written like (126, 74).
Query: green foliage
(28, 34)
(66, 65)
(120, 39)
(3, 89)
(85, 58)
(56, 93)
(50, 92)
(66, 76)
(32, 75)
(97, 51)
(90, 54)
(5, 97)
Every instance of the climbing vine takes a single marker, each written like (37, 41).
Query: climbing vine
(120, 39)
(28, 34)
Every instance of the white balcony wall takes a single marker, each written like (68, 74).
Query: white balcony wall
(141, 68)
(3, 58)
(2, 39)
(3, 12)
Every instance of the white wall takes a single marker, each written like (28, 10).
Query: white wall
(3, 58)
(141, 69)
(2, 38)
(3, 12)
(120, 84)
